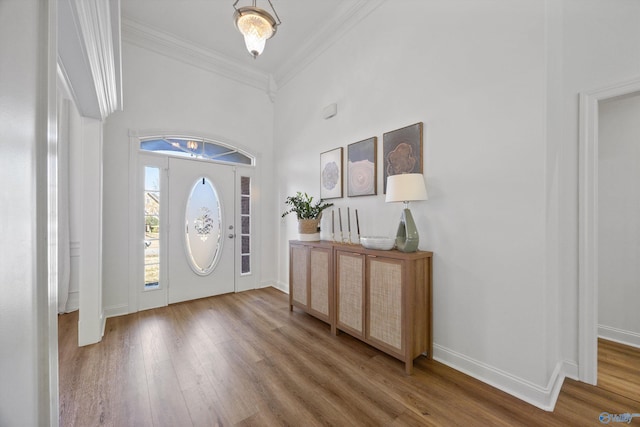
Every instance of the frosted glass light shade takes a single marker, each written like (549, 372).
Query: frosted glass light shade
(406, 187)
(256, 25)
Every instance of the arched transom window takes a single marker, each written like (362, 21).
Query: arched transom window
(198, 148)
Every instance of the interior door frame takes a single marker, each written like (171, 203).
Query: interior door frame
(588, 224)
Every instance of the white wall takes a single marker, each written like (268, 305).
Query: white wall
(619, 220)
(475, 74)
(165, 95)
(28, 327)
(70, 157)
(600, 45)
(496, 84)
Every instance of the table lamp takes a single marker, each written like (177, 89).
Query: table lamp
(406, 188)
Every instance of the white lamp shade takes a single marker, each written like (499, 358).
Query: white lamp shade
(406, 187)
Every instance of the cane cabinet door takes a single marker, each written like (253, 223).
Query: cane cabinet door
(298, 273)
(350, 287)
(385, 303)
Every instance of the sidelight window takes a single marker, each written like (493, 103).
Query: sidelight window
(245, 219)
(151, 227)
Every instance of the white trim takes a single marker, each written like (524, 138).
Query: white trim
(588, 225)
(570, 369)
(621, 336)
(134, 190)
(347, 17)
(174, 47)
(116, 310)
(91, 317)
(164, 43)
(101, 46)
(51, 395)
(542, 397)
(73, 302)
(282, 286)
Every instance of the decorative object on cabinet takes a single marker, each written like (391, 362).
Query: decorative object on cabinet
(362, 168)
(406, 188)
(347, 237)
(383, 298)
(402, 150)
(331, 174)
(308, 214)
(378, 242)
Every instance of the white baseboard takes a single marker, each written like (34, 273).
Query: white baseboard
(284, 287)
(542, 397)
(570, 368)
(116, 310)
(73, 303)
(266, 284)
(90, 332)
(103, 322)
(619, 335)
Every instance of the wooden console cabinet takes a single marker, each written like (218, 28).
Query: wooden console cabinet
(311, 279)
(383, 298)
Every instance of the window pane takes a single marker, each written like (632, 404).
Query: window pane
(151, 275)
(151, 178)
(203, 218)
(244, 185)
(245, 224)
(246, 264)
(244, 206)
(152, 203)
(201, 149)
(151, 196)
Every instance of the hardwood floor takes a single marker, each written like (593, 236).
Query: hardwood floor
(246, 360)
(619, 369)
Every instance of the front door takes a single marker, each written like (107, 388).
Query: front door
(201, 229)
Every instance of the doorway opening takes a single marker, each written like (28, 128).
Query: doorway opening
(588, 247)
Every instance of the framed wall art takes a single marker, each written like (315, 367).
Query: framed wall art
(362, 168)
(402, 150)
(331, 174)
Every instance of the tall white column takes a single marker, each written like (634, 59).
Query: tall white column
(28, 323)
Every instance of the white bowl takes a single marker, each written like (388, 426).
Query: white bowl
(378, 242)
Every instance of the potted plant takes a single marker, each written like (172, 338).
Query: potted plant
(308, 214)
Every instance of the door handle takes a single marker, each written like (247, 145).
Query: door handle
(231, 235)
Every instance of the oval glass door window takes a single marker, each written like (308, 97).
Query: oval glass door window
(203, 231)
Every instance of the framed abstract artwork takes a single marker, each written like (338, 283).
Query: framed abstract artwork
(331, 174)
(362, 168)
(402, 150)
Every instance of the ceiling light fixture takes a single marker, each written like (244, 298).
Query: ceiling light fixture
(256, 25)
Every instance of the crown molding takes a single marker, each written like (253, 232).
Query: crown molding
(89, 54)
(164, 43)
(174, 47)
(98, 22)
(347, 17)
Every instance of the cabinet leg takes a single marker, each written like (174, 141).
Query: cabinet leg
(408, 367)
